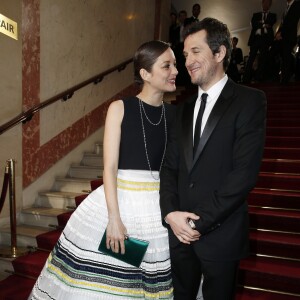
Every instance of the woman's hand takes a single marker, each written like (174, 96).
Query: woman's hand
(115, 235)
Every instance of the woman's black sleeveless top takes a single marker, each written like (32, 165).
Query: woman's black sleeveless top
(132, 147)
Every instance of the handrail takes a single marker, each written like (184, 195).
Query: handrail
(28, 114)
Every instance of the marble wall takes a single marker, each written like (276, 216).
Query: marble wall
(61, 44)
(11, 97)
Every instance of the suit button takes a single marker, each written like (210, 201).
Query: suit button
(191, 185)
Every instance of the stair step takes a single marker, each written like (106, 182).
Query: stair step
(5, 264)
(64, 218)
(79, 199)
(283, 122)
(283, 106)
(41, 216)
(60, 200)
(283, 131)
(80, 171)
(282, 153)
(16, 287)
(278, 181)
(26, 235)
(76, 185)
(48, 239)
(279, 244)
(282, 141)
(268, 273)
(96, 183)
(283, 113)
(31, 264)
(274, 198)
(93, 159)
(254, 294)
(274, 219)
(281, 99)
(280, 166)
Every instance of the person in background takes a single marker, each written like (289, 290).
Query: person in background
(235, 59)
(182, 15)
(260, 40)
(173, 31)
(287, 38)
(183, 78)
(135, 138)
(196, 10)
(212, 162)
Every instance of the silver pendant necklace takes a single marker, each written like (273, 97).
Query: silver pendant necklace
(163, 116)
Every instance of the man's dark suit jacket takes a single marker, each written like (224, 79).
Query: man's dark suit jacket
(189, 21)
(256, 24)
(216, 183)
(288, 27)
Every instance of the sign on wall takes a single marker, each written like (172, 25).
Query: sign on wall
(8, 27)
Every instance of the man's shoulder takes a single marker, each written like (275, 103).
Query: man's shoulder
(247, 92)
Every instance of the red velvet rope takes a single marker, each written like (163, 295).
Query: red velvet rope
(4, 190)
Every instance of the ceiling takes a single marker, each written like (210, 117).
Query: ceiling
(235, 13)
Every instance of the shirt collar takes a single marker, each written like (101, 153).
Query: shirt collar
(215, 91)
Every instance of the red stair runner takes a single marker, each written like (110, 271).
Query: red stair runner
(270, 273)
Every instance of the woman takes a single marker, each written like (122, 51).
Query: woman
(135, 139)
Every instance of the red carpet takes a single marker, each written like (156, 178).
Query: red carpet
(272, 272)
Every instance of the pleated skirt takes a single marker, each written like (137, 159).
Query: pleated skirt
(77, 270)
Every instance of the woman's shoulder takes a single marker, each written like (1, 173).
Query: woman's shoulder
(129, 101)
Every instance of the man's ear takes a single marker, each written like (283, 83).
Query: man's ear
(221, 54)
(144, 74)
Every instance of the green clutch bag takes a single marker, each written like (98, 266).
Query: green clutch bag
(135, 250)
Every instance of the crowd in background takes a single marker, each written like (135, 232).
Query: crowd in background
(273, 56)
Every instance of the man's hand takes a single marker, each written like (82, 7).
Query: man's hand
(178, 220)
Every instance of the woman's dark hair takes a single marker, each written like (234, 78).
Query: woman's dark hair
(146, 56)
(217, 34)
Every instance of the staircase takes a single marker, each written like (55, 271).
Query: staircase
(40, 226)
(273, 269)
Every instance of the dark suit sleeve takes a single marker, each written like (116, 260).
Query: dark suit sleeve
(169, 175)
(239, 56)
(245, 159)
(256, 21)
(273, 19)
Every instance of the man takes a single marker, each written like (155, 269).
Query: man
(207, 190)
(182, 15)
(173, 31)
(195, 14)
(235, 60)
(287, 37)
(183, 78)
(260, 40)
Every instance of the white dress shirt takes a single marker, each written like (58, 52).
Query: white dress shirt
(213, 95)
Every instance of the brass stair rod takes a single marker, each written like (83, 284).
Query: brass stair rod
(12, 204)
(12, 251)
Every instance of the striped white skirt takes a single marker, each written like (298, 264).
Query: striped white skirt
(77, 270)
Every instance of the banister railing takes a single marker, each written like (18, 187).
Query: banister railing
(28, 114)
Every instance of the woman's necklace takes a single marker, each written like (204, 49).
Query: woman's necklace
(163, 116)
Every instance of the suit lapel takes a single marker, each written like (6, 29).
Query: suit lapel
(220, 107)
(187, 130)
